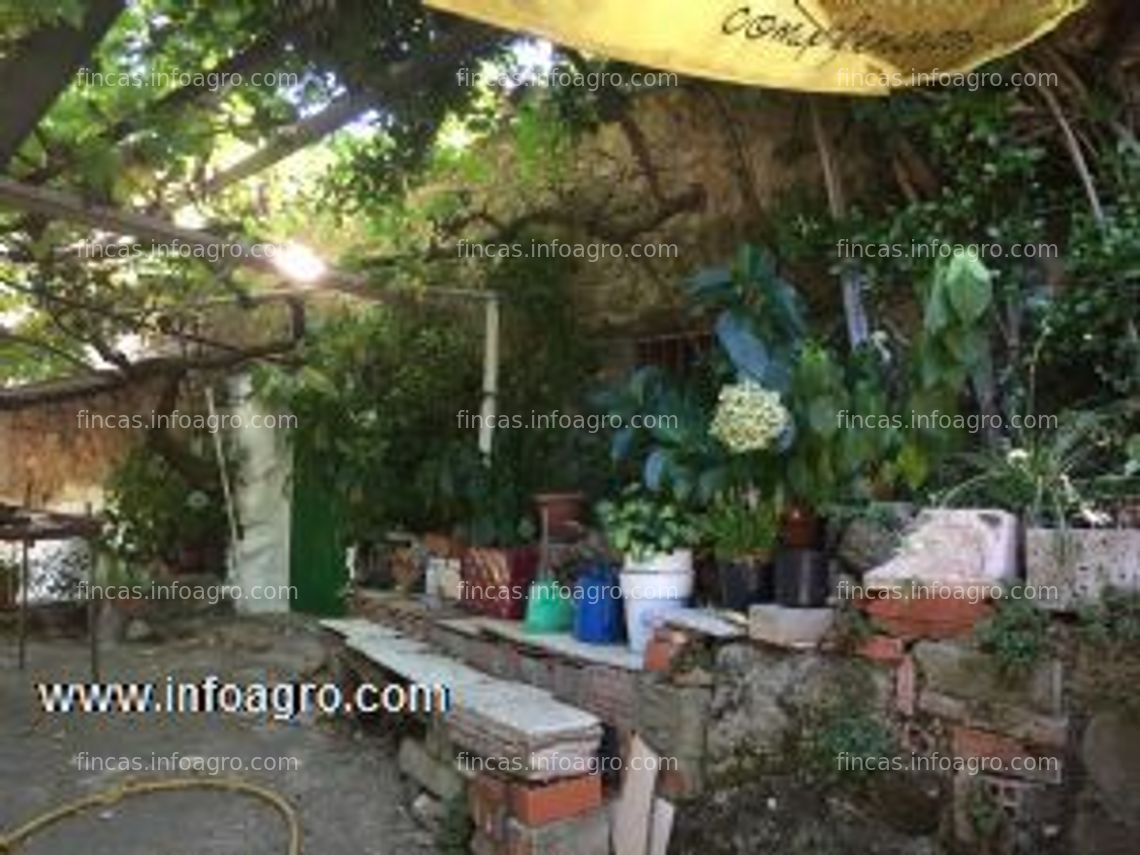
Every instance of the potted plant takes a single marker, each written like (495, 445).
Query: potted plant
(502, 559)
(1072, 542)
(655, 538)
(743, 536)
(562, 513)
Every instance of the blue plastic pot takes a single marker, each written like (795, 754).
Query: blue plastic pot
(597, 601)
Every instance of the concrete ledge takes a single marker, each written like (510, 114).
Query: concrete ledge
(542, 737)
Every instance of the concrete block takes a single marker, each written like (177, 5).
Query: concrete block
(438, 778)
(789, 627)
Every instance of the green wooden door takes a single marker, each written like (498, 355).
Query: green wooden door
(316, 546)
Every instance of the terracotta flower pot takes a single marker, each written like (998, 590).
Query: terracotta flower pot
(800, 527)
(563, 513)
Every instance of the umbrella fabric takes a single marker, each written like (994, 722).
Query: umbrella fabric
(850, 46)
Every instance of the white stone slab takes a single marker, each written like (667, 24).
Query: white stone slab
(953, 548)
(561, 643)
(706, 622)
(660, 827)
(631, 811)
(493, 717)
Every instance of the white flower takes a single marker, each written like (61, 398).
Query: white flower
(748, 417)
(1017, 455)
(197, 500)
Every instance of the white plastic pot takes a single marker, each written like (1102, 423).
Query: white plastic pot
(677, 561)
(652, 587)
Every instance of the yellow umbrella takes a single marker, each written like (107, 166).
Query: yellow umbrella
(851, 46)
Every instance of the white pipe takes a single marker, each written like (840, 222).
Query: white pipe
(490, 377)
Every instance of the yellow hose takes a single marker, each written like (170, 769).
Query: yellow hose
(9, 842)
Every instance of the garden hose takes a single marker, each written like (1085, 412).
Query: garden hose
(112, 795)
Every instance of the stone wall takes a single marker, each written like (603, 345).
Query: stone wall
(781, 749)
(779, 721)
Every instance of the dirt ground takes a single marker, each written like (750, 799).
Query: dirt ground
(347, 790)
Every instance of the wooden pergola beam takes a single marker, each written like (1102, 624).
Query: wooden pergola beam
(41, 66)
(56, 204)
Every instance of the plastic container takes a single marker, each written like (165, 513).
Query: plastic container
(548, 609)
(597, 606)
(651, 587)
(802, 578)
(496, 581)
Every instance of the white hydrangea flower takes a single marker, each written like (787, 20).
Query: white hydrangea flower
(748, 417)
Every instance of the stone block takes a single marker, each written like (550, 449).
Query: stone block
(673, 720)
(883, 648)
(1080, 563)
(1110, 752)
(587, 834)
(540, 804)
(789, 627)
(967, 673)
(1108, 807)
(1018, 722)
(953, 548)
(428, 811)
(438, 778)
(747, 715)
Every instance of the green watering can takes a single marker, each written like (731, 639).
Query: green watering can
(549, 606)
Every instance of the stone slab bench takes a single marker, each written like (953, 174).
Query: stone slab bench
(542, 738)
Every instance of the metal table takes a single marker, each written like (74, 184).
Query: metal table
(29, 527)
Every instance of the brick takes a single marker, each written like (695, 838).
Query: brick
(662, 649)
(1021, 803)
(545, 803)
(488, 800)
(925, 617)
(883, 648)
(905, 686)
(1017, 722)
(587, 834)
(1016, 759)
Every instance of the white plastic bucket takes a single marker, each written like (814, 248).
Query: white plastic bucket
(677, 561)
(652, 587)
